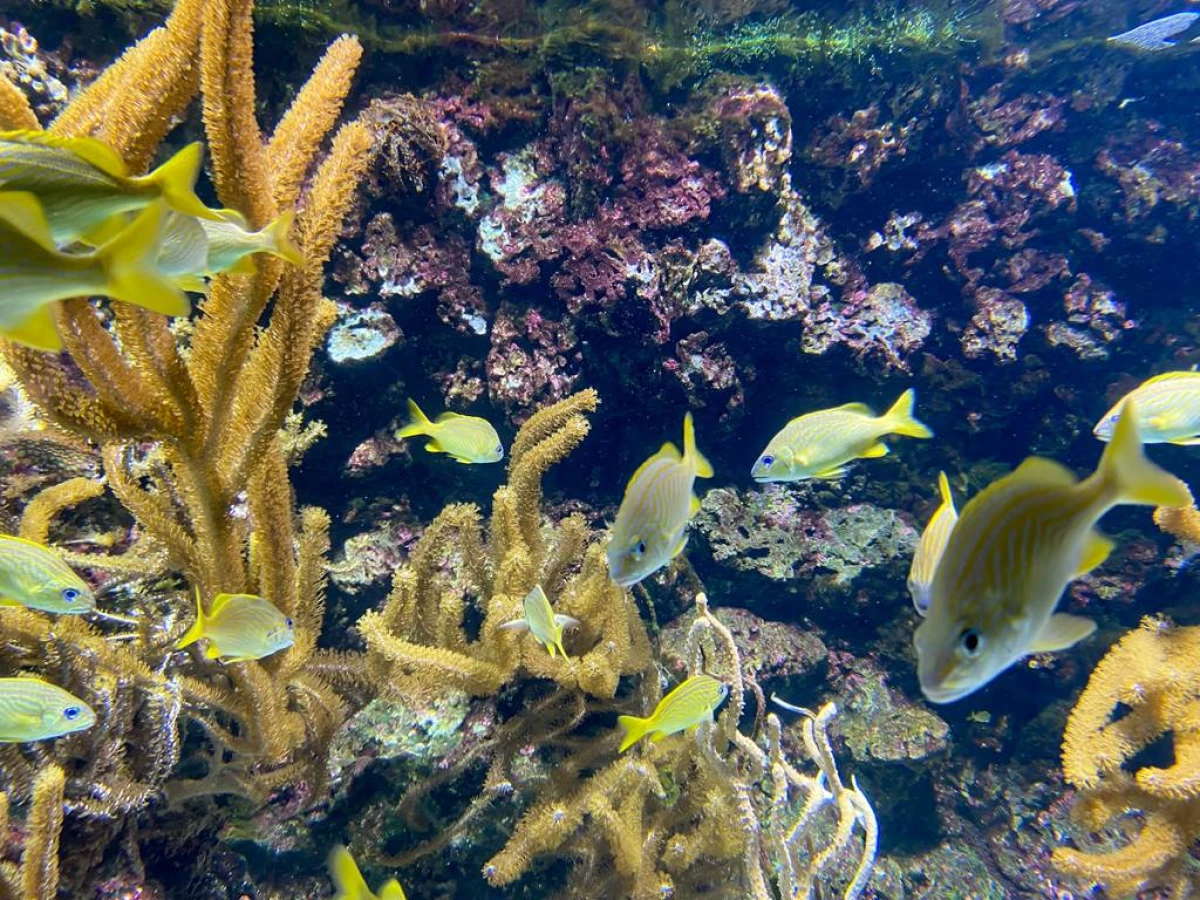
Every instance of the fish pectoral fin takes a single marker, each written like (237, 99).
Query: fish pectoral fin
(875, 451)
(212, 652)
(693, 506)
(1062, 631)
(832, 474)
(434, 447)
(656, 736)
(566, 621)
(1095, 551)
(38, 330)
(9, 601)
(515, 625)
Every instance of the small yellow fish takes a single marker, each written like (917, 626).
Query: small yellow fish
(36, 274)
(1168, 407)
(651, 525)
(350, 884)
(542, 622)
(930, 548)
(34, 710)
(240, 627)
(81, 183)
(689, 704)
(35, 577)
(202, 248)
(820, 444)
(1015, 548)
(468, 439)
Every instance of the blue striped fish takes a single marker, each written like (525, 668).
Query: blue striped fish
(1015, 548)
(1168, 410)
(467, 439)
(34, 710)
(820, 444)
(240, 627)
(651, 525)
(81, 183)
(689, 704)
(541, 621)
(33, 576)
(930, 548)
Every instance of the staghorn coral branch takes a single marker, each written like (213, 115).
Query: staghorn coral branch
(49, 502)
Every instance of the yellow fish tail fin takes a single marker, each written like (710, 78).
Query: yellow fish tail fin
(347, 879)
(278, 241)
(420, 423)
(1129, 477)
(391, 890)
(944, 487)
(176, 179)
(900, 417)
(197, 630)
(635, 729)
(130, 262)
(701, 465)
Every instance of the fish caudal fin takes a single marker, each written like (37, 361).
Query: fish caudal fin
(278, 241)
(900, 418)
(176, 180)
(420, 423)
(346, 877)
(1129, 477)
(196, 632)
(130, 263)
(635, 729)
(701, 465)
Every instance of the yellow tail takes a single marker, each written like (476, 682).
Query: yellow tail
(635, 729)
(900, 417)
(176, 180)
(279, 243)
(420, 423)
(701, 465)
(347, 879)
(196, 632)
(1126, 474)
(130, 263)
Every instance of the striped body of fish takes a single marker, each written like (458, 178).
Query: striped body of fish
(35, 710)
(35, 577)
(820, 444)
(240, 627)
(351, 885)
(467, 439)
(931, 546)
(82, 183)
(689, 704)
(542, 622)
(1168, 410)
(199, 248)
(1015, 548)
(35, 274)
(651, 525)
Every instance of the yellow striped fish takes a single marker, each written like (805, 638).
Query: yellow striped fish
(203, 248)
(34, 710)
(541, 621)
(240, 627)
(35, 274)
(35, 577)
(820, 444)
(350, 884)
(651, 525)
(1168, 407)
(1015, 548)
(81, 183)
(468, 439)
(930, 548)
(689, 704)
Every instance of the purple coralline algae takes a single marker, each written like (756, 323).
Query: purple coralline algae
(705, 368)
(999, 323)
(1154, 172)
(882, 326)
(860, 144)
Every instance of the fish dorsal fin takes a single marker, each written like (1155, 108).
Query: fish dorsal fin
(1190, 375)
(1062, 631)
(25, 541)
(1096, 548)
(854, 408)
(220, 602)
(668, 451)
(944, 488)
(1039, 470)
(23, 212)
(88, 149)
(449, 417)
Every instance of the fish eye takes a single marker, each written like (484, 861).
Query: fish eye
(640, 549)
(970, 642)
(289, 623)
(70, 595)
(1115, 418)
(767, 461)
(71, 713)
(500, 449)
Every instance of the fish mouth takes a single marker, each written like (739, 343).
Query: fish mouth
(945, 693)
(625, 581)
